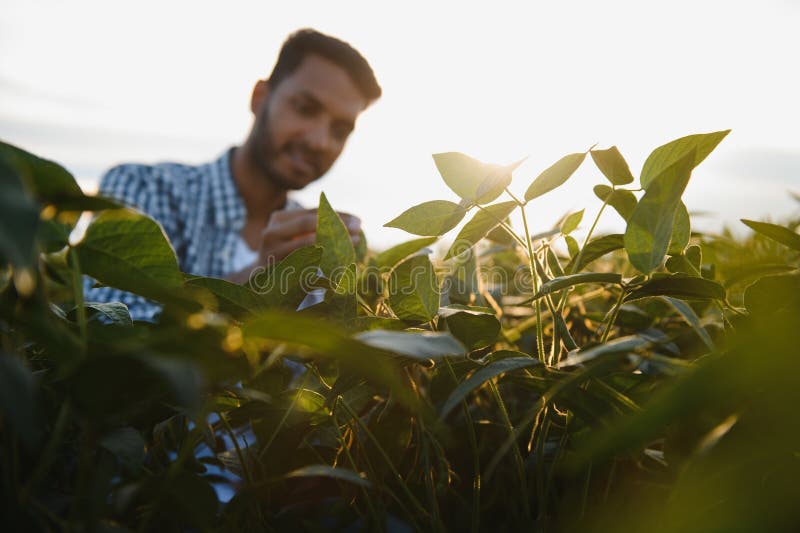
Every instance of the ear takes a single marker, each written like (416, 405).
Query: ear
(259, 96)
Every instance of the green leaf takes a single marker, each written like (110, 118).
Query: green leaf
(414, 290)
(555, 175)
(18, 405)
(572, 246)
(650, 226)
(51, 183)
(418, 345)
(332, 235)
(340, 474)
(475, 330)
(679, 286)
(623, 201)
(326, 339)
(772, 295)
(571, 223)
(664, 157)
(554, 263)
(116, 312)
(481, 224)
(681, 230)
(594, 250)
(557, 284)
(775, 232)
(232, 298)
(288, 283)
(436, 217)
(691, 318)
(473, 180)
(128, 446)
(483, 375)
(342, 299)
(616, 346)
(395, 254)
(612, 165)
(19, 219)
(129, 251)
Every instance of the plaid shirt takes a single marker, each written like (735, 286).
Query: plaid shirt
(199, 208)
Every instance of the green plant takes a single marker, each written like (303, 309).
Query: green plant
(644, 381)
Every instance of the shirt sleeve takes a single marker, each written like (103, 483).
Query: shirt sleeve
(143, 188)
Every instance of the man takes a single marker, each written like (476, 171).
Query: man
(231, 215)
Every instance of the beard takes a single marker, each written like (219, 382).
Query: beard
(263, 153)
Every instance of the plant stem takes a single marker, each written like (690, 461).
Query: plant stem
(77, 291)
(613, 317)
(418, 507)
(537, 304)
(517, 455)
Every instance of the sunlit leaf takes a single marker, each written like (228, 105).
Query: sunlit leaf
(333, 237)
(595, 249)
(129, 251)
(664, 157)
(775, 232)
(571, 280)
(681, 230)
(436, 217)
(395, 254)
(571, 223)
(320, 470)
(650, 226)
(554, 175)
(612, 165)
(481, 224)
(475, 330)
(473, 180)
(572, 246)
(623, 201)
(418, 345)
(414, 290)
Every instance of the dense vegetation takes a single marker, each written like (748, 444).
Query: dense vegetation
(636, 381)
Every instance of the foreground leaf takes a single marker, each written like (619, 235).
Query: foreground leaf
(333, 237)
(341, 474)
(557, 284)
(475, 330)
(613, 165)
(594, 250)
(481, 224)
(414, 290)
(775, 232)
(483, 375)
(433, 218)
(572, 221)
(679, 286)
(650, 226)
(555, 175)
(374, 364)
(19, 219)
(129, 251)
(419, 345)
(688, 314)
(623, 201)
(473, 180)
(667, 155)
(681, 230)
(395, 254)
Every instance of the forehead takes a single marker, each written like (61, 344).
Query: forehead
(328, 83)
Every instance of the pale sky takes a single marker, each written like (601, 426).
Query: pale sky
(92, 84)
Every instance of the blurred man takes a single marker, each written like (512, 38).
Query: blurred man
(231, 215)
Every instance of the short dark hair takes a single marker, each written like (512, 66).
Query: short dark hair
(308, 41)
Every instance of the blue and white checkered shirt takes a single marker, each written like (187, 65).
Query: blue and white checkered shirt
(199, 208)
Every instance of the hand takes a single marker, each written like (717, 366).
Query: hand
(287, 231)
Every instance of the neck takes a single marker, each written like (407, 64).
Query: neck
(260, 195)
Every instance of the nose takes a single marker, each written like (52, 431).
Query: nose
(318, 136)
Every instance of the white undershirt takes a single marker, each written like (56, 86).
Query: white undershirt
(243, 256)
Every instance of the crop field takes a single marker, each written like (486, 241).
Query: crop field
(528, 380)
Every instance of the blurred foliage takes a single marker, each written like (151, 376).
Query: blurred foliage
(642, 382)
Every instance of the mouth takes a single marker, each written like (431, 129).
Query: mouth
(302, 162)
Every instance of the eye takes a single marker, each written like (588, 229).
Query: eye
(304, 106)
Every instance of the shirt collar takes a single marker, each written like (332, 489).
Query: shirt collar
(229, 209)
